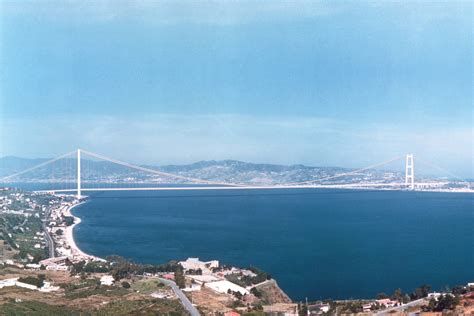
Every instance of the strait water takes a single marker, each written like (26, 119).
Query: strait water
(316, 243)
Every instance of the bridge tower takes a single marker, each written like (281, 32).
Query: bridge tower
(410, 171)
(78, 173)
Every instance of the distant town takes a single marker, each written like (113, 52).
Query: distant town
(42, 270)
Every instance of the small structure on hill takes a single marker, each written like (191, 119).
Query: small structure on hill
(107, 280)
(195, 264)
(225, 286)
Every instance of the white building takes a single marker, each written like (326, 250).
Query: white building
(224, 286)
(14, 282)
(367, 307)
(56, 260)
(387, 302)
(192, 288)
(434, 295)
(47, 287)
(56, 267)
(7, 282)
(26, 285)
(107, 280)
(200, 279)
(196, 264)
(33, 266)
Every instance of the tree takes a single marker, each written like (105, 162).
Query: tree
(459, 289)
(374, 307)
(69, 220)
(444, 302)
(77, 267)
(37, 257)
(59, 232)
(36, 281)
(406, 298)
(256, 292)
(302, 309)
(179, 277)
(421, 291)
(237, 294)
(397, 295)
(381, 296)
(125, 285)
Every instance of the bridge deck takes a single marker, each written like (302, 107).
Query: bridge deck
(368, 185)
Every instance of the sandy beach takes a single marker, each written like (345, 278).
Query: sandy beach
(69, 236)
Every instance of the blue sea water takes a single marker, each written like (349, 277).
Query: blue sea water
(315, 243)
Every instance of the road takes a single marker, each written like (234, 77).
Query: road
(47, 236)
(400, 308)
(183, 298)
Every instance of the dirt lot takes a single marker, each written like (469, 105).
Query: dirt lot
(210, 301)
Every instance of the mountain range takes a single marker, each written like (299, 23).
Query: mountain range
(229, 171)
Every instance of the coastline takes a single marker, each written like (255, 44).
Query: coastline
(69, 236)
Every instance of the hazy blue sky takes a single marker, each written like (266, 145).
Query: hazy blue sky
(319, 83)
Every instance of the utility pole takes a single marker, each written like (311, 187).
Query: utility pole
(78, 174)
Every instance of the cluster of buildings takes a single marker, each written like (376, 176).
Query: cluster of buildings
(54, 233)
(209, 274)
(382, 303)
(56, 263)
(25, 206)
(47, 287)
(60, 228)
(19, 203)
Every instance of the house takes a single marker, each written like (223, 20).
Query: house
(56, 267)
(26, 285)
(367, 307)
(434, 295)
(34, 266)
(56, 260)
(319, 308)
(169, 276)
(7, 282)
(387, 302)
(193, 287)
(324, 308)
(56, 263)
(107, 280)
(225, 286)
(14, 282)
(47, 287)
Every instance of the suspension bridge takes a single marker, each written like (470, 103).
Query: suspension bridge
(72, 173)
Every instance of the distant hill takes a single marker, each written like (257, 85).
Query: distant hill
(233, 171)
(12, 164)
(244, 172)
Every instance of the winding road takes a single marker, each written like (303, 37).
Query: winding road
(47, 236)
(183, 298)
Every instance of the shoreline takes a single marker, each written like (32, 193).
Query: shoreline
(69, 235)
(76, 251)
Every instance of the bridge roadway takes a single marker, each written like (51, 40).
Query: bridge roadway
(339, 186)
